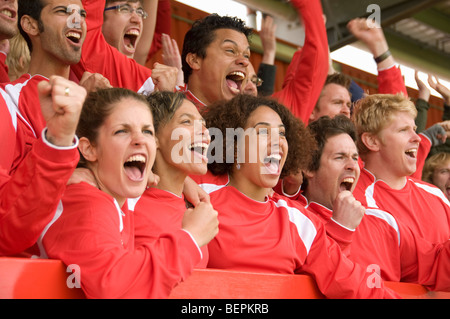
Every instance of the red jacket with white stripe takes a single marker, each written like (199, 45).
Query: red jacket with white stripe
(91, 230)
(29, 196)
(383, 242)
(157, 212)
(419, 205)
(280, 236)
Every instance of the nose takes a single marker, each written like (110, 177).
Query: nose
(346, 109)
(351, 164)
(415, 137)
(134, 16)
(242, 60)
(137, 138)
(250, 88)
(205, 133)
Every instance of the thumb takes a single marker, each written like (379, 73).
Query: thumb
(44, 88)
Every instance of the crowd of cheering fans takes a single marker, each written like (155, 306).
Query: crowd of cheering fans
(130, 173)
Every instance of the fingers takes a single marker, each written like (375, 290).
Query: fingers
(164, 77)
(94, 81)
(61, 103)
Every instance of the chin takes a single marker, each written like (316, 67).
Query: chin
(198, 170)
(270, 182)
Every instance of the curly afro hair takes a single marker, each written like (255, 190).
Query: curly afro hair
(233, 114)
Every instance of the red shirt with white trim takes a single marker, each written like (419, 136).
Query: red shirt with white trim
(91, 230)
(157, 212)
(280, 236)
(419, 205)
(33, 172)
(382, 242)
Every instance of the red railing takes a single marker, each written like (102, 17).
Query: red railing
(23, 278)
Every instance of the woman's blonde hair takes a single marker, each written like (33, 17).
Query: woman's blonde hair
(432, 163)
(18, 58)
(374, 112)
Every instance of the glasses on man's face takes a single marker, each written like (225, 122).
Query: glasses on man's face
(127, 9)
(257, 81)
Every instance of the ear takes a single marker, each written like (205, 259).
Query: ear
(29, 25)
(88, 150)
(193, 60)
(308, 174)
(371, 141)
(312, 116)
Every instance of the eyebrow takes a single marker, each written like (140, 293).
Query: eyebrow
(66, 8)
(267, 124)
(192, 116)
(234, 43)
(345, 153)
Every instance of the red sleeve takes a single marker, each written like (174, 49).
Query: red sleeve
(87, 234)
(99, 57)
(163, 25)
(309, 67)
(390, 81)
(422, 262)
(4, 71)
(341, 235)
(29, 198)
(422, 154)
(337, 276)
(7, 135)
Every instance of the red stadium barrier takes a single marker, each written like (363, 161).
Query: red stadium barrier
(23, 278)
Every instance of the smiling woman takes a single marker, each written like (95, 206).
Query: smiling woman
(162, 209)
(267, 233)
(93, 227)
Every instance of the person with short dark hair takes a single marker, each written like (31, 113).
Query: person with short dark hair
(369, 236)
(214, 57)
(98, 56)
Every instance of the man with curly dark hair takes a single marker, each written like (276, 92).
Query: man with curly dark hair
(265, 233)
(215, 57)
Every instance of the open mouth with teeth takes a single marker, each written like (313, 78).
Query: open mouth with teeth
(199, 150)
(73, 36)
(9, 13)
(411, 153)
(347, 184)
(130, 39)
(447, 191)
(135, 167)
(272, 164)
(234, 81)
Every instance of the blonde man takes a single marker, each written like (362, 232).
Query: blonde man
(388, 144)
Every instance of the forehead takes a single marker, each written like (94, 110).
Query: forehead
(399, 119)
(264, 114)
(114, 2)
(231, 36)
(332, 89)
(126, 109)
(341, 143)
(187, 107)
(65, 3)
